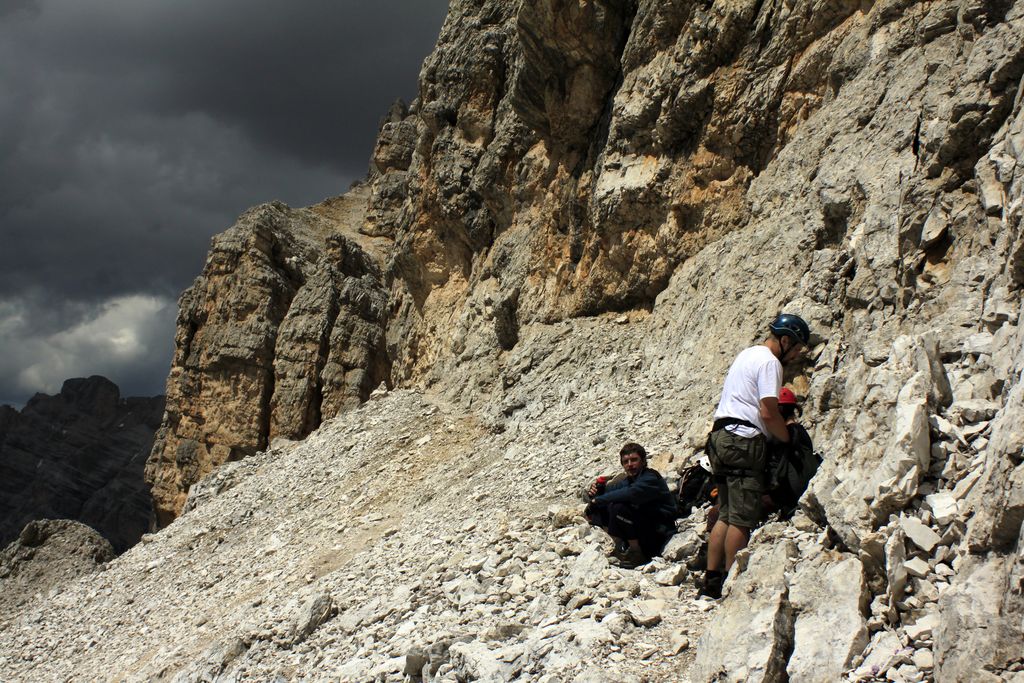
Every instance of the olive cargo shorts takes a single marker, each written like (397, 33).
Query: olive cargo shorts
(739, 497)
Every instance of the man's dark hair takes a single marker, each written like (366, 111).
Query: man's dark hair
(632, 448)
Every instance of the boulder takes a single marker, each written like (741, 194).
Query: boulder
(645, 613)
(48, 555)
(996, 490)
(917, 567)
(586, 571)
(978, 624)
(829, 597)
(943, 506)
(921, 628)
(919, 533)
(896, 572)
(889, 439)
(752, 633)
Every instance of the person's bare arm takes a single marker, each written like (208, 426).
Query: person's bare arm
(773, 419)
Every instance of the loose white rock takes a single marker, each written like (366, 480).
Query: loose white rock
(917, 567)
(919, 534)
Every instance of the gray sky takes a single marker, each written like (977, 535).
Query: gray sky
(131, 131)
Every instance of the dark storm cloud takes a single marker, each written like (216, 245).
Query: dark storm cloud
(129, 338)
(133, 130)
(308, 77)
(11, 6)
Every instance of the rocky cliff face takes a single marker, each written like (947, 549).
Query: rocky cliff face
(284, 326)
(679, 171)
(78, 455)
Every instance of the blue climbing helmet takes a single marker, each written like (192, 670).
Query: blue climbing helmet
(789, 325)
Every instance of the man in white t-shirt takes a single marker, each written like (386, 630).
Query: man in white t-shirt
(746, 417)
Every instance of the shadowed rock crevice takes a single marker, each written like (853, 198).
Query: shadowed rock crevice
(571, 55)
(840, 215)
(506, 323)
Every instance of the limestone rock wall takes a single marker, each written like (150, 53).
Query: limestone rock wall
(284, 326)
(78, 455)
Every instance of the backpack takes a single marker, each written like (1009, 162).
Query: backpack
(693, 490)
(790, 469)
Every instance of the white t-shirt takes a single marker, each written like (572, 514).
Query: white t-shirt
(755, 374)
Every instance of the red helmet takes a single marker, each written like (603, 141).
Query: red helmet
(787, 397)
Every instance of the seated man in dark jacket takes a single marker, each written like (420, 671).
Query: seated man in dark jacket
(638, 512)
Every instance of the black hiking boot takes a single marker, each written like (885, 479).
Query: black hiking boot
(712, 585)
(633, 559)
(620, 550)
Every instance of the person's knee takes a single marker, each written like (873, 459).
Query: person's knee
(622, 521)
(620, 509)
(597, 515)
